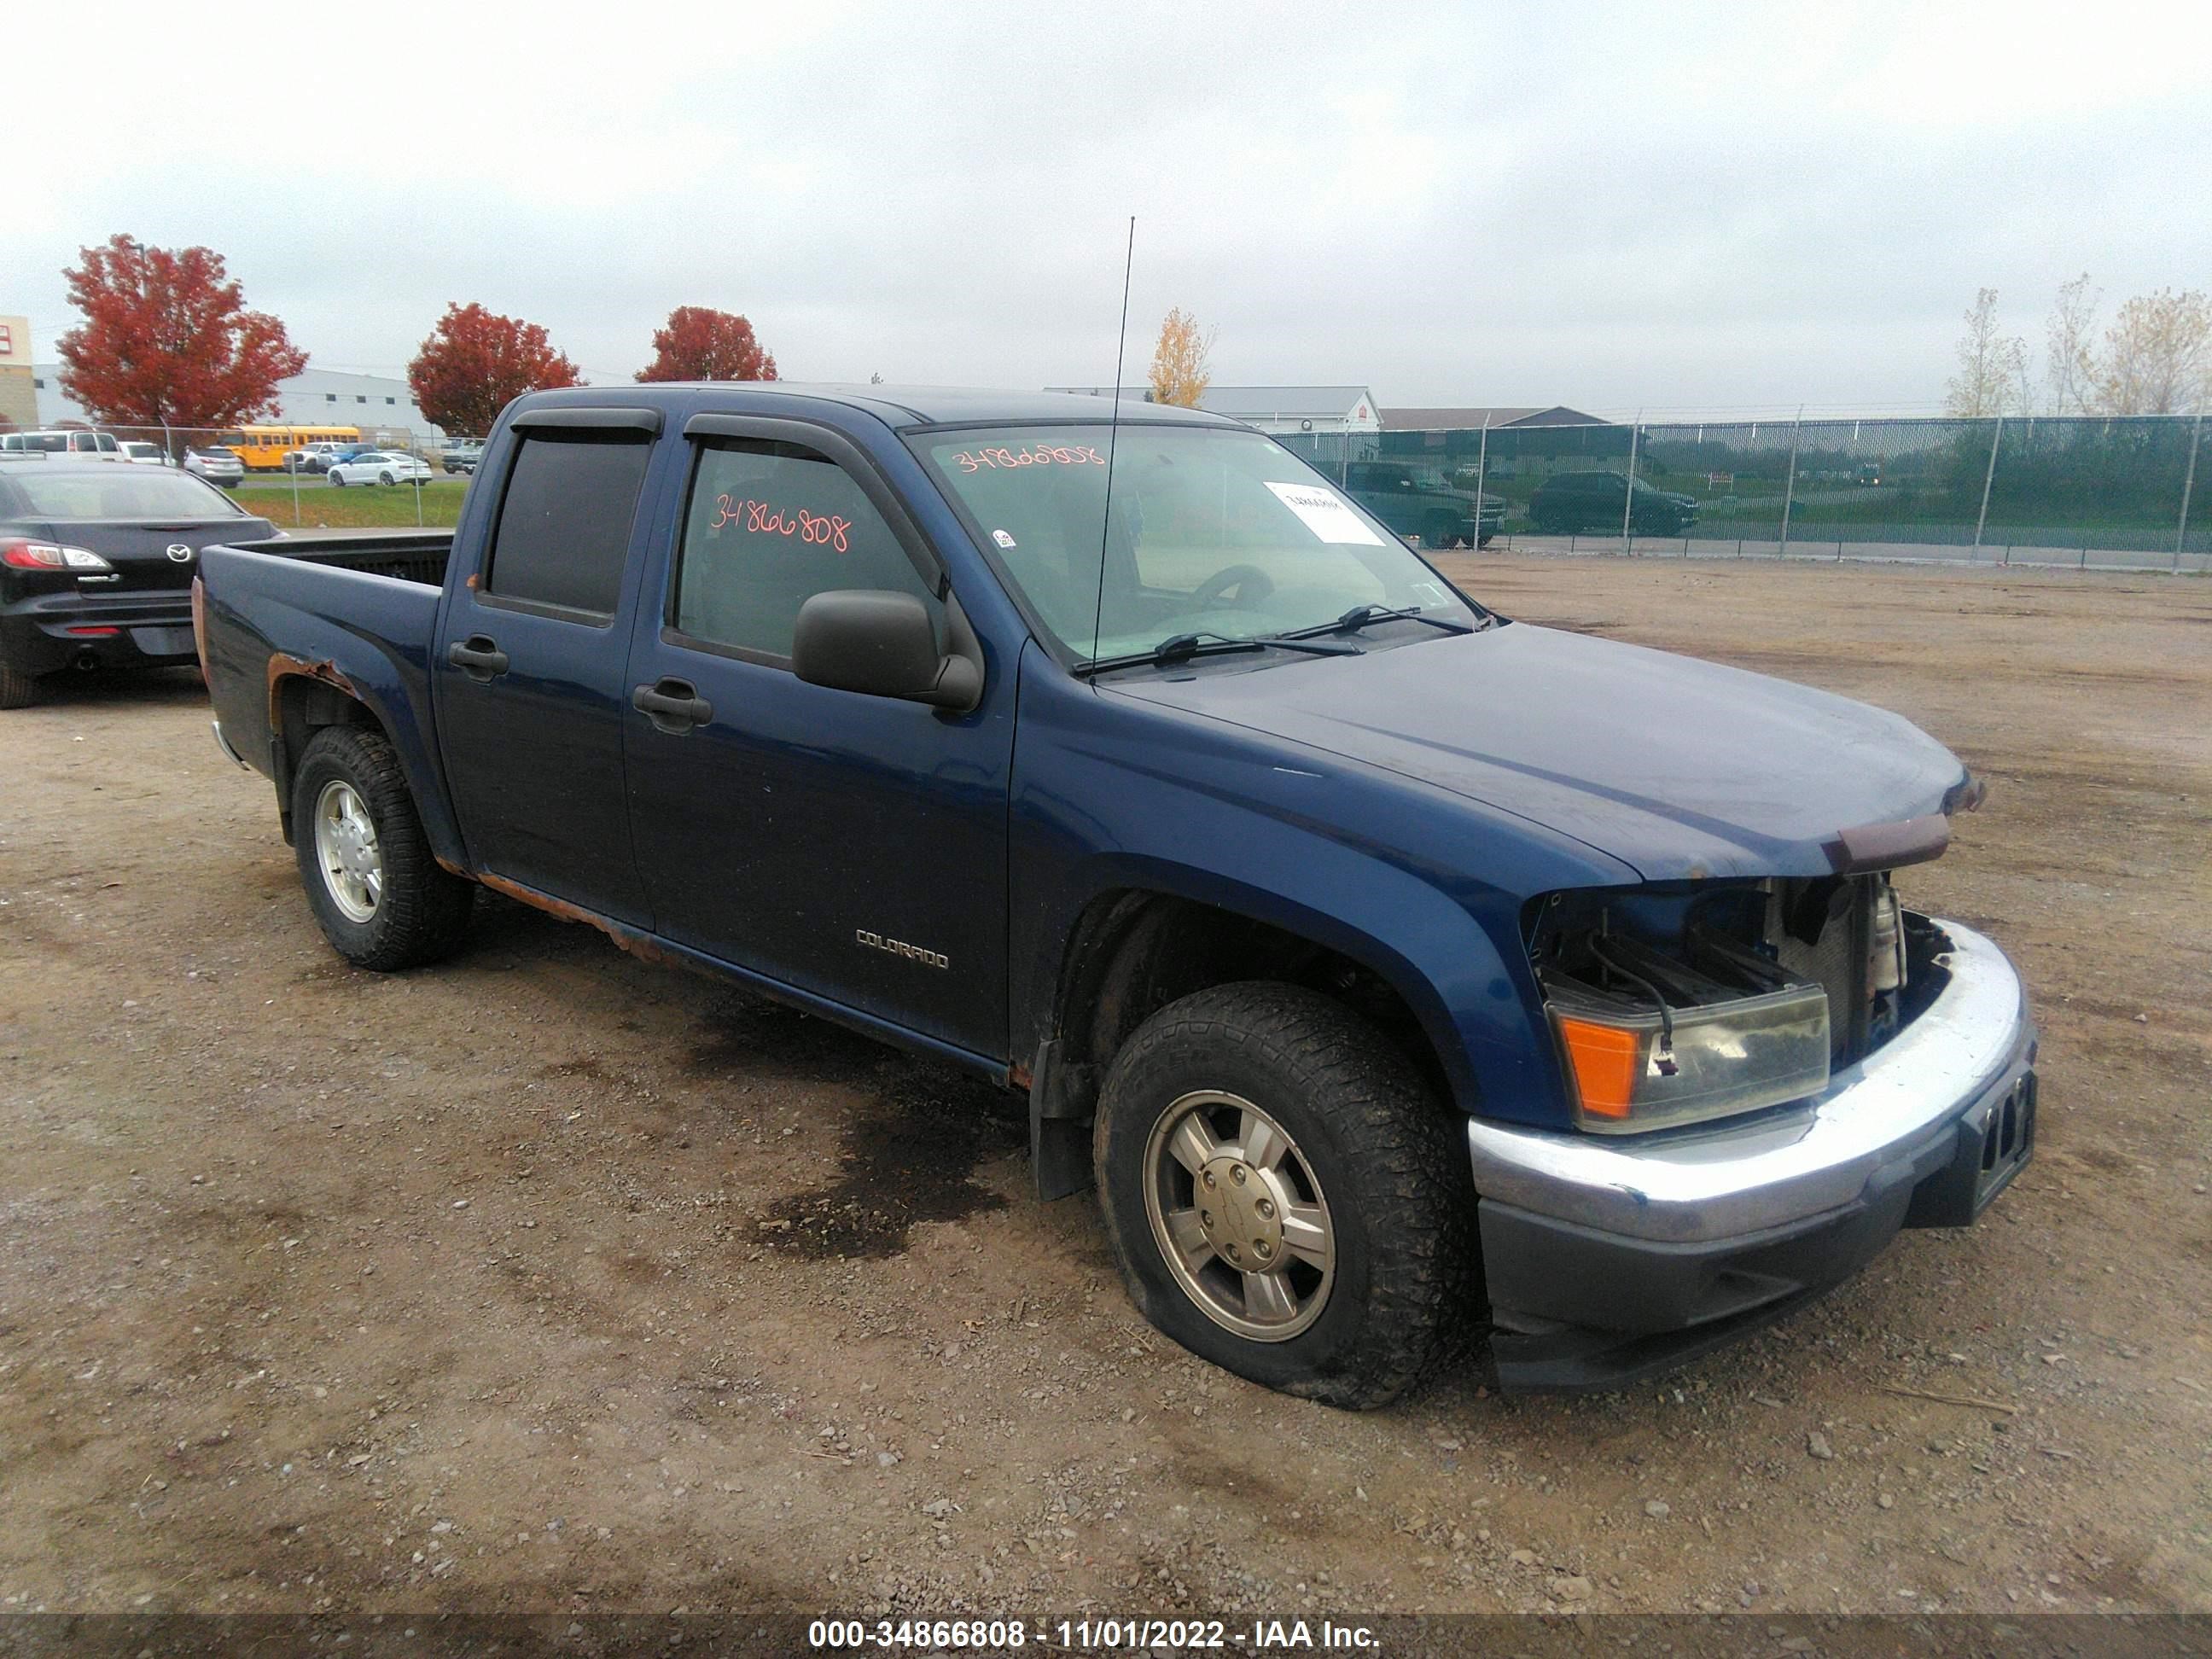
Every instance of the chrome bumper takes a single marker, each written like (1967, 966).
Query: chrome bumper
(223, 744)
(1955, 1063)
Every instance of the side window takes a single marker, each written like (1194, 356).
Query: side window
(770, 526)
(564, 524)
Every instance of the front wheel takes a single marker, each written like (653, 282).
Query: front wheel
(337, 481)
(386, 479)
(378, 894)
(1441, 533)
(1284, 1196)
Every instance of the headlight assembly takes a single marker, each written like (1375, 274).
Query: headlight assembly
(1650, 1041)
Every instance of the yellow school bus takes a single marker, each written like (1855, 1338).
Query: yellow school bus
(262, 448)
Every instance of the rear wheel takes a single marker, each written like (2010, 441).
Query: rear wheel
(378, 894)
(1442, 532)
(1282, 1193)
(17, 689)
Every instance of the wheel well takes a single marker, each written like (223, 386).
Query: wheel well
(303, 705)
(1133, 952)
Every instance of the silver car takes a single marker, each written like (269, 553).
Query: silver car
(215, 463)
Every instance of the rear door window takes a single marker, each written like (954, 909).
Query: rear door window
(564, 524)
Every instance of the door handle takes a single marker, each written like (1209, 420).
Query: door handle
(477, 657)
(674, 705)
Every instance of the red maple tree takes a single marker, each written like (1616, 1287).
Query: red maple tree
(701, 344)
(168, 339)
(475, 362)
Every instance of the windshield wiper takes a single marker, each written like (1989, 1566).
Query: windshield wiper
(1181, 648)
(1361, 615)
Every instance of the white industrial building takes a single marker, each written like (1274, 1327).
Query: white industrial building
(314, 397)
(1279, 409)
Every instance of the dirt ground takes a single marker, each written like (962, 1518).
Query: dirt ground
(547, 1279)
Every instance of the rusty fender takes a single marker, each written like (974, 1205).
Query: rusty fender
(283, 667)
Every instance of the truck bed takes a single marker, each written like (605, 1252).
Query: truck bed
(360, 612)
(408, 555)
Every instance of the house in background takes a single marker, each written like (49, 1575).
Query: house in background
(1434, 419)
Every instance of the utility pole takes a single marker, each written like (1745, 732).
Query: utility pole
(1628, 496)
(1989, 478)
(1481, 467)
(1789, 490)
(2188, 485)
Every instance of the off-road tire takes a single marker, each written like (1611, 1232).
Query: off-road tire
(422, 911)
(1399, 1190)
(18, 690)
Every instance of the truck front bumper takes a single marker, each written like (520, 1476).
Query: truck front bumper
(1608, 1259)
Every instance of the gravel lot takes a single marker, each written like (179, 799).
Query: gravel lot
(550, 1280)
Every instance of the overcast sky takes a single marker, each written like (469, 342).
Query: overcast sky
(1615, 207)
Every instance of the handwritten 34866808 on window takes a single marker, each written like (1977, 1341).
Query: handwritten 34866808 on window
(765, 518)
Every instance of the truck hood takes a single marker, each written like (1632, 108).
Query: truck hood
(1678, 767)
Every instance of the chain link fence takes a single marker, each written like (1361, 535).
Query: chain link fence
(297, 477)
(2092, 492)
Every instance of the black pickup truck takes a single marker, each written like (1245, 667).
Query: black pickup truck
(1378, 958)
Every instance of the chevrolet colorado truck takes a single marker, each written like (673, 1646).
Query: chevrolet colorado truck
(1385, 963)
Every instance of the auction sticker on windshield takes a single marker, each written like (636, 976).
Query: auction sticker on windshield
(1327, 513)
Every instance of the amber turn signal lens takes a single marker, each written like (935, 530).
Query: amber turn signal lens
(1607, 1060)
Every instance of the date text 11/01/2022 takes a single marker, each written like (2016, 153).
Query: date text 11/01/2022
(1087, 1635)
(1343, 932)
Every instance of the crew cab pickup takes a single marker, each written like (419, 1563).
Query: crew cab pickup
(1376, 958)
(1416, 501)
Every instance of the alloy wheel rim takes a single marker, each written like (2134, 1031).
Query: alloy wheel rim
(1239, 1216)
(347, 852)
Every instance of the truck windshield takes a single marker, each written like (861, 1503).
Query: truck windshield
(1214, 531)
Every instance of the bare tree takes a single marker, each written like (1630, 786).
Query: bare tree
(1180, 371)
(2068, 369)
(1992, 377)
(2158, 356)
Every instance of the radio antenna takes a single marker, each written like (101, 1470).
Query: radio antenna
(1113, 432)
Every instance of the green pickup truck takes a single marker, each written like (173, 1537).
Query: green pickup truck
(1419, 501)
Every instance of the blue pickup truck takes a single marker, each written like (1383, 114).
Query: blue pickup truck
(1391, 968)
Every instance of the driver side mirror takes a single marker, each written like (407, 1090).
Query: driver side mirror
(881, 644)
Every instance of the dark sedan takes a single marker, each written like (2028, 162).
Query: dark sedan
(96, 566)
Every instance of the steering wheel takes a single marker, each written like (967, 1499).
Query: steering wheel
(1253, 585)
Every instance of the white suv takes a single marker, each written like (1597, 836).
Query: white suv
(69, 441)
